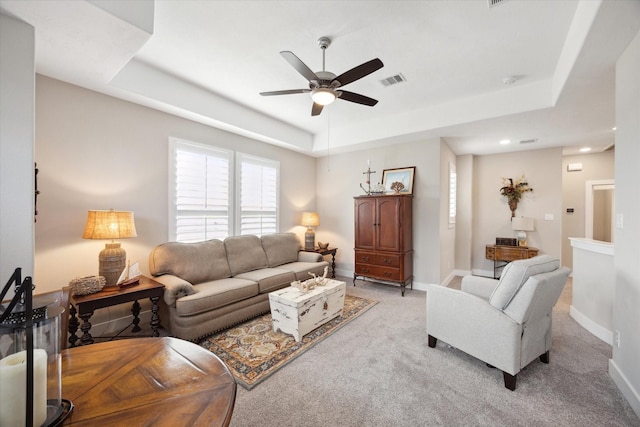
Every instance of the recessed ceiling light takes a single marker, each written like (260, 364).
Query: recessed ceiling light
(585, 149)
(505, 142)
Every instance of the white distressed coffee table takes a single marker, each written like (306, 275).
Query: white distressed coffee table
(297, 313)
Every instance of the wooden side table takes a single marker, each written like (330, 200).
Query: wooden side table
(503, 255)
(84, 306)
(327, 251)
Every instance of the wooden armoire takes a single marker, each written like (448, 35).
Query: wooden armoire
(383, 242)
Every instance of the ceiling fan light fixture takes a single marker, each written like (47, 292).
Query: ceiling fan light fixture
(323, 96)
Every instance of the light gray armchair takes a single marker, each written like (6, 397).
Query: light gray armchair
(505, 323)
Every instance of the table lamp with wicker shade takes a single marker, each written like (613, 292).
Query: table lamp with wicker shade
(110, 225)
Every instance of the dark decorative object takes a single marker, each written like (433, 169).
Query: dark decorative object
(19, 319)
(506, 241)
(35, 213)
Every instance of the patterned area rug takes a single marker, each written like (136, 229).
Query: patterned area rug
(253, 351)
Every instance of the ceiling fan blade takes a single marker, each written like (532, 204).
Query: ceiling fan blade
(285, 92)
(357, 98)
(359, 72)
(300, 66)
(316, 109)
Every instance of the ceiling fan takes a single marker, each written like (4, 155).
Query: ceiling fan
(324, 85)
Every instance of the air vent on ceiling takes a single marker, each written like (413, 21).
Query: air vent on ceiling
(389, 81)
(493, 3)
(529, 141)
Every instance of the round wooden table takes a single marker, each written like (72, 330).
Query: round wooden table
(147, 381)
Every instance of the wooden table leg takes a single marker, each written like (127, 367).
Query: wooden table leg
(73, 326)
(333, 265)
(86, 327)
(155, 319)
(135, 310)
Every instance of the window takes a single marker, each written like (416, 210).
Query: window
(202, 203)
(453, 178)
(257, 195)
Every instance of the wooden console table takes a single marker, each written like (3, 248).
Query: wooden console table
(85, 305)
(503, 255)
(147, 381)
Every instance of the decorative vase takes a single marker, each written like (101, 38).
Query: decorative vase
(513, 205)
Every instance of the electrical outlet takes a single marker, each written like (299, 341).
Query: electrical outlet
(616, 338)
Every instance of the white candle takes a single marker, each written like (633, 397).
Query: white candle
(13, 389)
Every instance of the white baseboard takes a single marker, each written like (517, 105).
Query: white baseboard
(625, 387)
(599, 331)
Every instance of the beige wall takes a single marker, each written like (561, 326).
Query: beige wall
(338, 179)
(597, 166)
(99, 152)
(464, 215)
(491, 214)
(447, 234)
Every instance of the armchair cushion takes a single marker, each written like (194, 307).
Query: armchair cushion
(515, 274)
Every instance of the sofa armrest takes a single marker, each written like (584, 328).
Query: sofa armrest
(174, 288)
(479, 286)
(309, 257)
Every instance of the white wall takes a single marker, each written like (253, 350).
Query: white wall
(624, 367)
(99, 152)
(17, 86)
(338, 179)
(491, 214)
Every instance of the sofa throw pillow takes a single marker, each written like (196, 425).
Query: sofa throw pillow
(281, 248)
(193, 262)
(245, 253)
(515, 274)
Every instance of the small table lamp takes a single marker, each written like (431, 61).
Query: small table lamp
(110, 225)
(522, 224)
(310, 219)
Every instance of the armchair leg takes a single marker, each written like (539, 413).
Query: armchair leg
(509, 381)
(544, 358)
(432, 341)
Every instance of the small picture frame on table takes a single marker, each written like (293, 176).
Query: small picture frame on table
(403, 176)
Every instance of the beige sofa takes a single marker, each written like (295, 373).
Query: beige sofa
(215, 284)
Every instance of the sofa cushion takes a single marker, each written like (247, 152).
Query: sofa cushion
(245, 253)
(269, 279)
(302, 269)
(193, 262)
(516, 273)
(216, 294)
(280, 248)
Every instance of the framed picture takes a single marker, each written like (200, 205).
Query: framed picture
(402, 178)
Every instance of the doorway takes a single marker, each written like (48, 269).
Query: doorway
(599, 210)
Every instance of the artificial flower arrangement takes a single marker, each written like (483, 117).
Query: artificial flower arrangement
(514, 190)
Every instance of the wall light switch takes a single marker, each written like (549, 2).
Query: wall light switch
(548, 217)
(619, 220)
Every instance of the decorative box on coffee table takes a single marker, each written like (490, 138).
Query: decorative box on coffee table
(297, 312)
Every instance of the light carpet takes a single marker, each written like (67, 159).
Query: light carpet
(253, 350)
